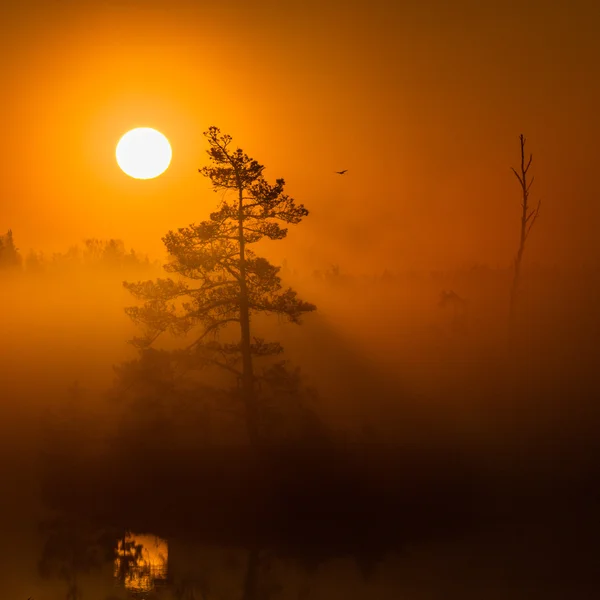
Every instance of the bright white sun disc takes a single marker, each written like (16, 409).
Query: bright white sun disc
(144, 153)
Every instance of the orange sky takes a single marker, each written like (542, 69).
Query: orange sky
(421, 101)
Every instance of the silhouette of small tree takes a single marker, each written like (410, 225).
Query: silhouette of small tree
(528, 218)
(9, 253)
(230, 282)
(34, 262)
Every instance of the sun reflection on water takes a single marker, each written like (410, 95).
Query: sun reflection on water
(141, 562)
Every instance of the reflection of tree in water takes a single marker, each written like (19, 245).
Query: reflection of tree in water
(207, 572)
(141, 562)
(258, 582)
(72, 548)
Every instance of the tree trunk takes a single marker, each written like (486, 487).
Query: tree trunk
(248, 391)
(514, 289)
(251, 579)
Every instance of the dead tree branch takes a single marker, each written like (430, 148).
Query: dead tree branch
(528, 218)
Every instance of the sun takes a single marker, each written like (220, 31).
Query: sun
(144, 153)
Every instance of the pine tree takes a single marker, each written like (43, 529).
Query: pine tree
(9, 253)
(220, 280)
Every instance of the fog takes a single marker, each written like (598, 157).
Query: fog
(435, 397)
(64, 322)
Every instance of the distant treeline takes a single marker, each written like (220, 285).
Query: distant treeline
(10, 257)
(112, 253)
(477, 272)
(109, 254)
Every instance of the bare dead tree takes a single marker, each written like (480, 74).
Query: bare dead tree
(528, 218)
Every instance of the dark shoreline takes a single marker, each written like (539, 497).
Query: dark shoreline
(363, 500)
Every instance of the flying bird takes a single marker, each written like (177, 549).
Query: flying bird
(341, 172)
